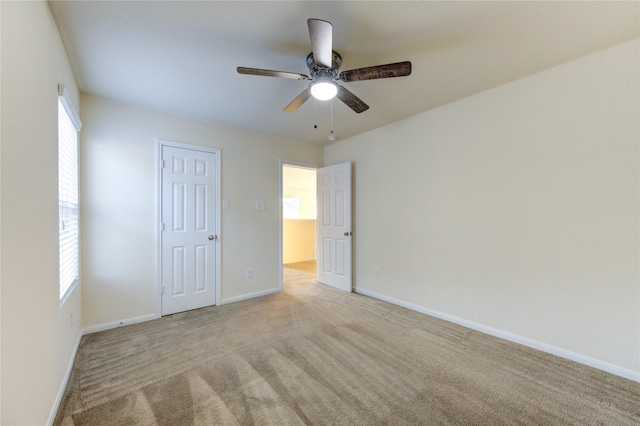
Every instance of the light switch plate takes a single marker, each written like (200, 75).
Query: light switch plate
(259, 205)
(226, 205)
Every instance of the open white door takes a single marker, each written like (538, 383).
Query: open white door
(189, 237)
(334, 226)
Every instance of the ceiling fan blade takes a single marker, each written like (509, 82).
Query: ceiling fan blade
(398, 69)
(298, 101)
(351, 100)
(270, 73)
(321, 41)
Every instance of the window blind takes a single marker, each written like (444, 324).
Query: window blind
(68, 127)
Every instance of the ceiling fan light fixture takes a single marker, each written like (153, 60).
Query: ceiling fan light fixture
(324, 90)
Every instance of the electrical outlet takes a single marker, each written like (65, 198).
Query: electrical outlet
(376, 272)
(249, 272)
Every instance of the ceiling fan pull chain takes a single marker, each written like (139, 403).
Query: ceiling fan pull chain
(315, 113)
(332, 137)
(331, 128)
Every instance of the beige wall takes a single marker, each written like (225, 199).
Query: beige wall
(37, 338)
(515, 209)
(119, 161)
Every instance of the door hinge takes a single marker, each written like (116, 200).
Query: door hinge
(162, 226)
(162, 164)
(162, 290)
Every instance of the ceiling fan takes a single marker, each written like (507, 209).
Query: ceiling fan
(324, 66)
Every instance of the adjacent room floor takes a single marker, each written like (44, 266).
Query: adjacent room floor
(305, 266)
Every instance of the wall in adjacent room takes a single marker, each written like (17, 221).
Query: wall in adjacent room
(119, 214)
(299, 240)
(299, 235)
(515, 209)
(38, 339)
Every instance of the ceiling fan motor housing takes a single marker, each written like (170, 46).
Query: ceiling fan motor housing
(318, 71)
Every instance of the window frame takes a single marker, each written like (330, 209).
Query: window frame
(66, 209)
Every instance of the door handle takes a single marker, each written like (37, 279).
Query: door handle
(213, 237)
(347, 234)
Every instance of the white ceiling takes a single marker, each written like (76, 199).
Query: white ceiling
(181, 57)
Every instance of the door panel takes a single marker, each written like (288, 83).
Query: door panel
(201, 269)
(179, 197)
(326, 255)
(334, 226)
(177, 269)
(340, 257)
(189, 239)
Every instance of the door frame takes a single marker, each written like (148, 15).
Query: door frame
(160, 143)
(282, 162)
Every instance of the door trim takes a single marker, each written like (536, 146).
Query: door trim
(160, 143)
(283, 162)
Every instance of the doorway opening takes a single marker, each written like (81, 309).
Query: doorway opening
(298, 223)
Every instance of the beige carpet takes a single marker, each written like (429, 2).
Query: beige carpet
(315, 355)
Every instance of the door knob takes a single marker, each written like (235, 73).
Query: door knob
(346, 234)
(212, 237)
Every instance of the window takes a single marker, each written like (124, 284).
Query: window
(290, 208)
(68, 230)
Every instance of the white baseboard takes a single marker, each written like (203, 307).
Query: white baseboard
(250, 296)
(116, 324)
(553, 350)
(65, 381)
